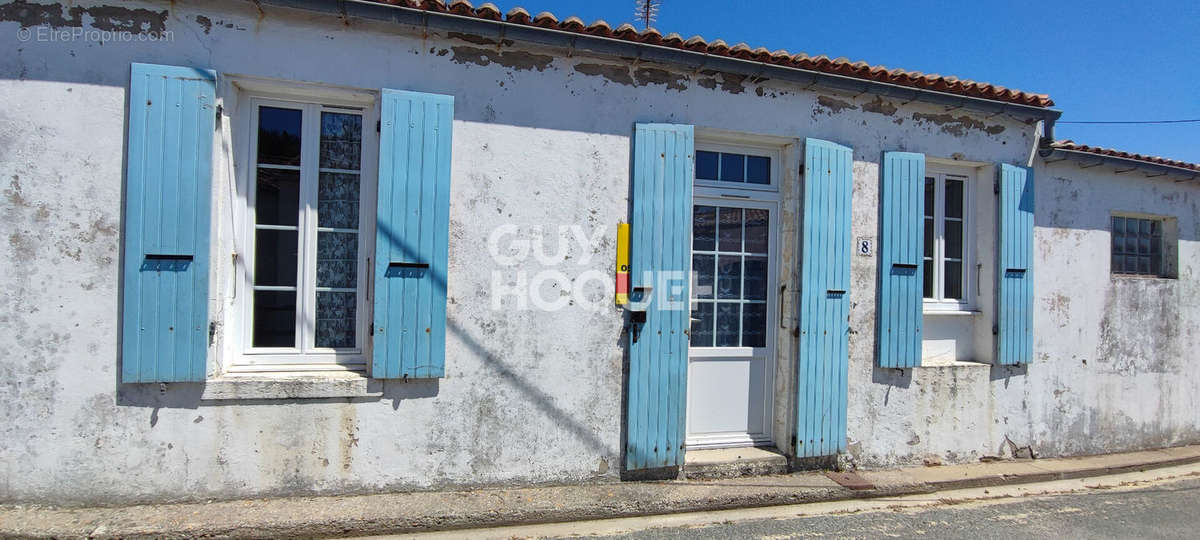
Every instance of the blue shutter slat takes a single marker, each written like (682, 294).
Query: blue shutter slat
(660, 246)
(1014, 342)
(412, 227)
(901, 259)
(164, 326)
(823, 357)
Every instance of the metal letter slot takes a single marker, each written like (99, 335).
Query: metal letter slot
(1014, 270)
(406, 269)
(407, 265)
(905, 265)
(166, 262)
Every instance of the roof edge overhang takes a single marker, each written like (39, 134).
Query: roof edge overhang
(1120, 164)
(626, 50)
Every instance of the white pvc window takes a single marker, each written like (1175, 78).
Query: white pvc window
(948, 253)
(310, 201)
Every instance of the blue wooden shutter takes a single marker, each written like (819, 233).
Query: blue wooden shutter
(412, 235)
(901, 256)
(172, 116)
(660, 245)
(824, 300)
(1014, 341)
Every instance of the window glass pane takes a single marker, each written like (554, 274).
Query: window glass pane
(756, 278)
(703, 274)
(706, 165)
(1131, 264)
(728, 315)
(274, 319)
(758, 227)
(336, 319)
(337, 259)
(930, 196)
(1156, 264)
(702, 324)
(1118, 263)
(954, 198)
(1143, 265)
(279, 136)
(277, 197)
(1131, 241)
(733, 167)
(928, 238)
(704, 228)
(758, 170)
(337, 200)
(754, 325)
(927, 278)
(1118, 236)
(953, 280)
(729, 276)
(341, 141)
(1144, 226)
(1143, 245)
(954, 239)
(275, 255)
(730, 229)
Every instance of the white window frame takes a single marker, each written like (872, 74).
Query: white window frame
(970, 271)
(741, 189)
(312, 102)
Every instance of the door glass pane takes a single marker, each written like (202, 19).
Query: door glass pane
(729, 276)
(729, 229)
(954, 239)
(706, 165)
(337, 200)
(336, 319)
(728, 323)
(277, 197)
(733, 167)
(279, 136)
(754, 325)
(337, 255)
(341, 141)
(953, 280)
(954, 198)
(274, 319)
(703, 274)
(758, 170)
(702, 324)
(275, 255)
(756, 278)
(704, 228)
(758, 227)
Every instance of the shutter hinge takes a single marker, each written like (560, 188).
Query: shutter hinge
(212, 332)
(220, 110)
(996, 188)
(995, 330)
(378, 125)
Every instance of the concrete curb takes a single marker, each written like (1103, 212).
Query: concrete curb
(317, 517)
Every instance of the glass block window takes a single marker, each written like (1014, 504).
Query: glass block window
(730, 248)
(1137, 246)
(306, 265)
(713, 166)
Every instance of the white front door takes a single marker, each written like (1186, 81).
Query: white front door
(733, 308)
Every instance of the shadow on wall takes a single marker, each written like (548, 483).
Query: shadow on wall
(188, 395)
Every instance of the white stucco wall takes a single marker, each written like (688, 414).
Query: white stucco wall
(540, 141)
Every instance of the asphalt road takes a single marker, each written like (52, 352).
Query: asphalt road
(1170, 510)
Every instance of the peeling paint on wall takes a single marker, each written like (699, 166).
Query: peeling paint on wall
(518, 60)
(110, 18)
(958, 125)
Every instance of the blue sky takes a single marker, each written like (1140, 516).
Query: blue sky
(1099, 60)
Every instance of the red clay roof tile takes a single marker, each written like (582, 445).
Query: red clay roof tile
(842, 66)
(1075, 147)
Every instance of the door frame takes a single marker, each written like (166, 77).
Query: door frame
(745, 198)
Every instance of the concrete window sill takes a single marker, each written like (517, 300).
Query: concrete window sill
(950, 364)
(284, 386)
